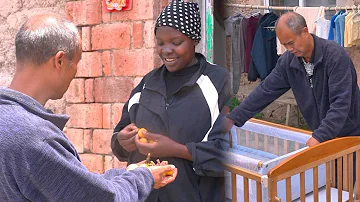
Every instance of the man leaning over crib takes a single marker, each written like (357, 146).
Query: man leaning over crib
(321, 76)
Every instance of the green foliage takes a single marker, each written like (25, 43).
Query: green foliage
(232, 103)
(259, 115)
(281, 121)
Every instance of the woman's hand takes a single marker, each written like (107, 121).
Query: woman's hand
(162, 146)
(126, 137)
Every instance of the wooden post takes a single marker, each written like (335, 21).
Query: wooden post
(233, 188)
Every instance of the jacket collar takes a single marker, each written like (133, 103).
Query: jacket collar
(9, 96)
(157, 78)
(317, 55)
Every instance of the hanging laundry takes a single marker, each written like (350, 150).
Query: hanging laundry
(354, 37)
(332, 26)
(311, 14)
(263, 51)
(348, 29)
(322, 27)
(279, 47)
(229, 24)
(340, 28)
(253, 73)
(251, 27)
(238, 51)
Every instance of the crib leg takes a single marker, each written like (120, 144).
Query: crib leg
(357, 173)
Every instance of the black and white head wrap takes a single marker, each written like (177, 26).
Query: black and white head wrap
(182, 16)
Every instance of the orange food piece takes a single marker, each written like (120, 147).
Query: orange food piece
(169, 173)
(143, 140)
(141, 132)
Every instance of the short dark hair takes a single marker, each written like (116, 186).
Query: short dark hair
(43, 36)
(294, 21)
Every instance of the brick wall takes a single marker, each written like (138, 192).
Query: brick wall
(118, 49)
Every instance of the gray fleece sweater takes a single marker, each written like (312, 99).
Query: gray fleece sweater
(38, 163)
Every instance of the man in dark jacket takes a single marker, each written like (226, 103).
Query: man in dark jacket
(37, 161)
(322, 77)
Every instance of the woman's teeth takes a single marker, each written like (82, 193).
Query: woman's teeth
(170, 59)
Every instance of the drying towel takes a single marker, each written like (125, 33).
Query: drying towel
(311, 14)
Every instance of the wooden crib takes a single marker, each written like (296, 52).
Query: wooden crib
(334, 153)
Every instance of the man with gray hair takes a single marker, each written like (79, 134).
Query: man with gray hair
(321, 76)
(37, 162)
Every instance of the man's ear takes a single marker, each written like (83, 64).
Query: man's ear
(59, 59)
(305, 30)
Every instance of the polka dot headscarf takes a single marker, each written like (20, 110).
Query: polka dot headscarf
(183, 16)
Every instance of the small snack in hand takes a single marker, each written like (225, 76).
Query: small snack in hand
(143, 140)
(142, 137)
(141, 132)
(149, 163)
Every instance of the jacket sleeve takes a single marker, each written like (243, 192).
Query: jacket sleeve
(58, 175)
(265, 93)
(126, 119)
(341, 78)
(208, 155)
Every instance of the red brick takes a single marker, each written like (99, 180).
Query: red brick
(85, 115)
(87, 140)
(112, 162)
(73, 11)
(119, 164)
(141, 10)
(84, 12)
(157, 61)
(93, 162)
(89, 90)
(137, 80)
(112, 89)
(116, 113)
(86, 38)
(133, 62)
(164, 3)
(106, 116)
(75, 92)
(76, 137)
(111, 36)
(149, 35)
(90, 65)
(137, 34)
(108, 162)
(102, 141)
(106, 16)
(106, 63)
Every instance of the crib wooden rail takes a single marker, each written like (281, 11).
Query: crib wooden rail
(247, 136)
(235, 170)
(340, 150)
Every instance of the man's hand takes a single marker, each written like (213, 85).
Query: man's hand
(227, 124)
(160, 177)
(161, 147)
(126, 137)
(312, 142)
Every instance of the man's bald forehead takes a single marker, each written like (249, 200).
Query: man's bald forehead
(41, 20)
(294, 21)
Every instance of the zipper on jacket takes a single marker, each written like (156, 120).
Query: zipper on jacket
(166, 106)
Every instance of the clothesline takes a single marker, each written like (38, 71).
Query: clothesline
(288, 8)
